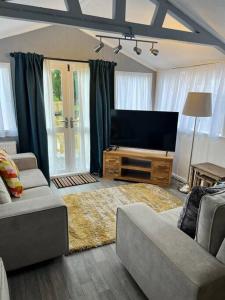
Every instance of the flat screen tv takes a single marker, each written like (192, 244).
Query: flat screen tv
(154, 130)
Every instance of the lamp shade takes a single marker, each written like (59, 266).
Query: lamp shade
(198, 105)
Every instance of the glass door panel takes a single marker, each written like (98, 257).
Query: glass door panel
(80, 123)
(57, 137)
(57, 98)
(69, 133)
(60, 151)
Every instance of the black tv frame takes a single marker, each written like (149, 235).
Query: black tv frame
(169, 149)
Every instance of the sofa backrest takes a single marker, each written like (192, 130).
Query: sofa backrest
(210, 231)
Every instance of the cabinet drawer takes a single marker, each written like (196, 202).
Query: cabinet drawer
(161, 169)
(112, 161)
(112, 172)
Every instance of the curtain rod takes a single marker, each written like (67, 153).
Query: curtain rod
(72, 60)
(64, 59)
(60, 59)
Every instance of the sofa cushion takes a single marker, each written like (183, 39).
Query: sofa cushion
(36, 192)
(171, 216)
(210, 231)
(4, 194)
(25, 161)
(32, 178)
(10, 174)
(189, 214)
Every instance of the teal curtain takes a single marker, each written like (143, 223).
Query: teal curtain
(101, 103)
(29, 98)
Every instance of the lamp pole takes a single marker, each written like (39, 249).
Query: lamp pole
(192, 148)
(198, 104)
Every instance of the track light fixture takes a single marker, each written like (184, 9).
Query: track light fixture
(126, 38)
(118, 48)
(154, 51)
(99, 47)
(137, 50)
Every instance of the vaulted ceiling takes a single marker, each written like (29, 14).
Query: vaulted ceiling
(208, 13)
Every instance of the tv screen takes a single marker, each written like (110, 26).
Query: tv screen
(154, 130)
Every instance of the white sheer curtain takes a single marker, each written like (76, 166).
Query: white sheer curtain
(133, 90)
(49, 113)
(172, 89)
(7, 110)
(82, 129)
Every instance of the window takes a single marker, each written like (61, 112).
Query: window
(133, 91)
(174, 85)
(7, 110)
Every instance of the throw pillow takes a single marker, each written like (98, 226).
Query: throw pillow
(189, 214)
(4, 195)
(210, 230)
(10, 174)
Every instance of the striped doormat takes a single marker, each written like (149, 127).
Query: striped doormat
(66, 181)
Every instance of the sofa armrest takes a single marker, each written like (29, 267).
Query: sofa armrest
(32, 231)
(25, 161)
(162, 259)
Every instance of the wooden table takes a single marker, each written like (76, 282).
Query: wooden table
(206, 174)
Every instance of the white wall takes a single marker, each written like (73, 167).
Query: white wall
(65, 42)
(206, 149)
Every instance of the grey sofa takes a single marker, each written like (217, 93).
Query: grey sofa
(33, 228)
(164, 261)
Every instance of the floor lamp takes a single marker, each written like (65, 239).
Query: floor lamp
(197, 105)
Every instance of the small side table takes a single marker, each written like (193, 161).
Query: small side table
(206, 174)
(4, 290)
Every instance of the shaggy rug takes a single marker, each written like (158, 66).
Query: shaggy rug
(92, 215)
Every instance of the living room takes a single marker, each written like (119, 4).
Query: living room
(112, 125)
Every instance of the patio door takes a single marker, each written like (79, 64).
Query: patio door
(66, 87)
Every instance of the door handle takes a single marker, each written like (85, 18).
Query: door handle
(71, 122)
(66, 122)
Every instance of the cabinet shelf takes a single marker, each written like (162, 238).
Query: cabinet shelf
(137, 166)
(130, 167)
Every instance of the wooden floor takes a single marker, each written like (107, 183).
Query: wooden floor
(89, 275)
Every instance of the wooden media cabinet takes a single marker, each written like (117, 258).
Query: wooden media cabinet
(138, 165)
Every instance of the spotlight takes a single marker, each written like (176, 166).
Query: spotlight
(154, 51)
(99, 47)
(137, 50)
(117, 49)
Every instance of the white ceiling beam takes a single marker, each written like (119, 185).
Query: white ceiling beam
(38, 14)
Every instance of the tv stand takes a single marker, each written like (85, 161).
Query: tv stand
(138, 166)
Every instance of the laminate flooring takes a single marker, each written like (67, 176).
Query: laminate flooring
(95, 274)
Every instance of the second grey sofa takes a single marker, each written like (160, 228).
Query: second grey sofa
(164, 261)
(33, 228)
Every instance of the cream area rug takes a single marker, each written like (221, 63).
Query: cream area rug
(92, 215)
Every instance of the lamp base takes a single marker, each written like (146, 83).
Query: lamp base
(185, 189)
